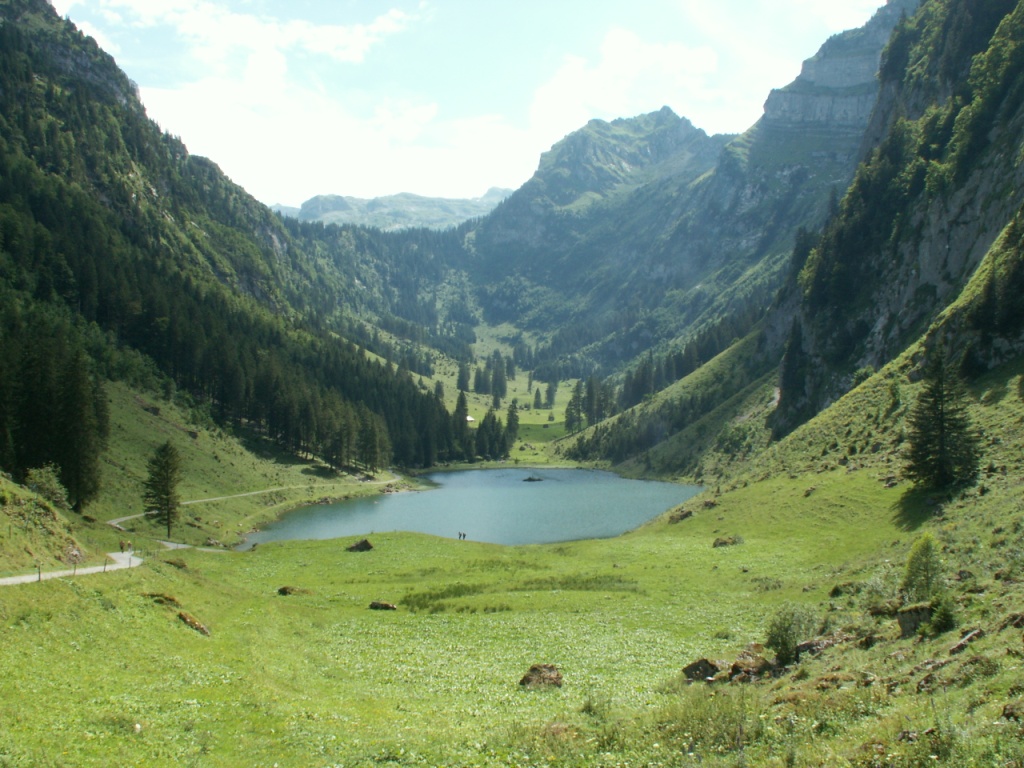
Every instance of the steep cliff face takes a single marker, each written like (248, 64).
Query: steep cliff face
(925, 208)
(838, 87)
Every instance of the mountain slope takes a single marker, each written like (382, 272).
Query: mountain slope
(157, 266)
(925, 207)
(638, 232)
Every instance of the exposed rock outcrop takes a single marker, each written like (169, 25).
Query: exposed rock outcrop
(542, 675)
(838, 87)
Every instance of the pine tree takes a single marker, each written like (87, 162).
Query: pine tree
(574, 411)
(512, 423)
(161, 486)
(944, 447)
(78, 452)
(461, 437)
(463, 379)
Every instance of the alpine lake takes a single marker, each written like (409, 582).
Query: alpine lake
(508, 506)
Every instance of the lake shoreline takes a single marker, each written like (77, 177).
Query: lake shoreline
(490, 504)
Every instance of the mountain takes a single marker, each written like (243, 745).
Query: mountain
(924, 209)
(922, 253)
(401, 211)
(767, 307)
(124, 257)
(646, 232)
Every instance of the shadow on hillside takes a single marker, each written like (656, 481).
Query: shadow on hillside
(915, 507)
(320, 470)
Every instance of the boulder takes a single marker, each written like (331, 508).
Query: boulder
(966, 640)
(912, 618)
(750, 665)
(542, 675)
(363, 545)
(1014, 710)
(704, 669)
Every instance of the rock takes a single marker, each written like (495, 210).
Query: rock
(161, 599)
(193, 623)
(1014, 710)
(542, 675)
(379, 605)
(704, 669)
(868, 641)
(750, 665)
(966, 640)
(1015, 620)
(912, 618)
(363, 545)
(845, 588)
(682, 514)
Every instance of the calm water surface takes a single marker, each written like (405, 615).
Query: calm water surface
(493, 505)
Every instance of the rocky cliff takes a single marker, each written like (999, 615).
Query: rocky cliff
(924, 209)
(838, 87)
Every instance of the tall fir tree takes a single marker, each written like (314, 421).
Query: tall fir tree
(78, 452)
(512, 423)
(461, 437)
(161, 486)
(944, 446)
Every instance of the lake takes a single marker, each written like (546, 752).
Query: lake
(499, 506)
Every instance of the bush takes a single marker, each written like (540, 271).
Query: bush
(45, 481)
(790, 625)
(922, 579)
(943, 616)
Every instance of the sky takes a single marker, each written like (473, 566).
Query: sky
(445, 98)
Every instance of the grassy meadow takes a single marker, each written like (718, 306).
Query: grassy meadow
(103, 668)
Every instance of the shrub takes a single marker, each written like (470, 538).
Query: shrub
(943, 616)
(45, 481)
(786, 629)
(922, 579)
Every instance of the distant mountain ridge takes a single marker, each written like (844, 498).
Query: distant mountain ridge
(390, 212)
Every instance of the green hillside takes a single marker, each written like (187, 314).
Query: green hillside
(838, 613)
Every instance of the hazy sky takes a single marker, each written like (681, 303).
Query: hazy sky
(294, 98)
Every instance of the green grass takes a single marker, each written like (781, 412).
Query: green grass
(316, 678)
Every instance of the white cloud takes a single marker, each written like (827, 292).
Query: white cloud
(100, 37)
(215, 32)
(840, 16)
(63, 7)
(631, 76)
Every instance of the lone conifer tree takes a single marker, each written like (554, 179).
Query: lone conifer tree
(161, 486)
(944, 447)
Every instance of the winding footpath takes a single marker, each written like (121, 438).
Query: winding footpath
(121, 560)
